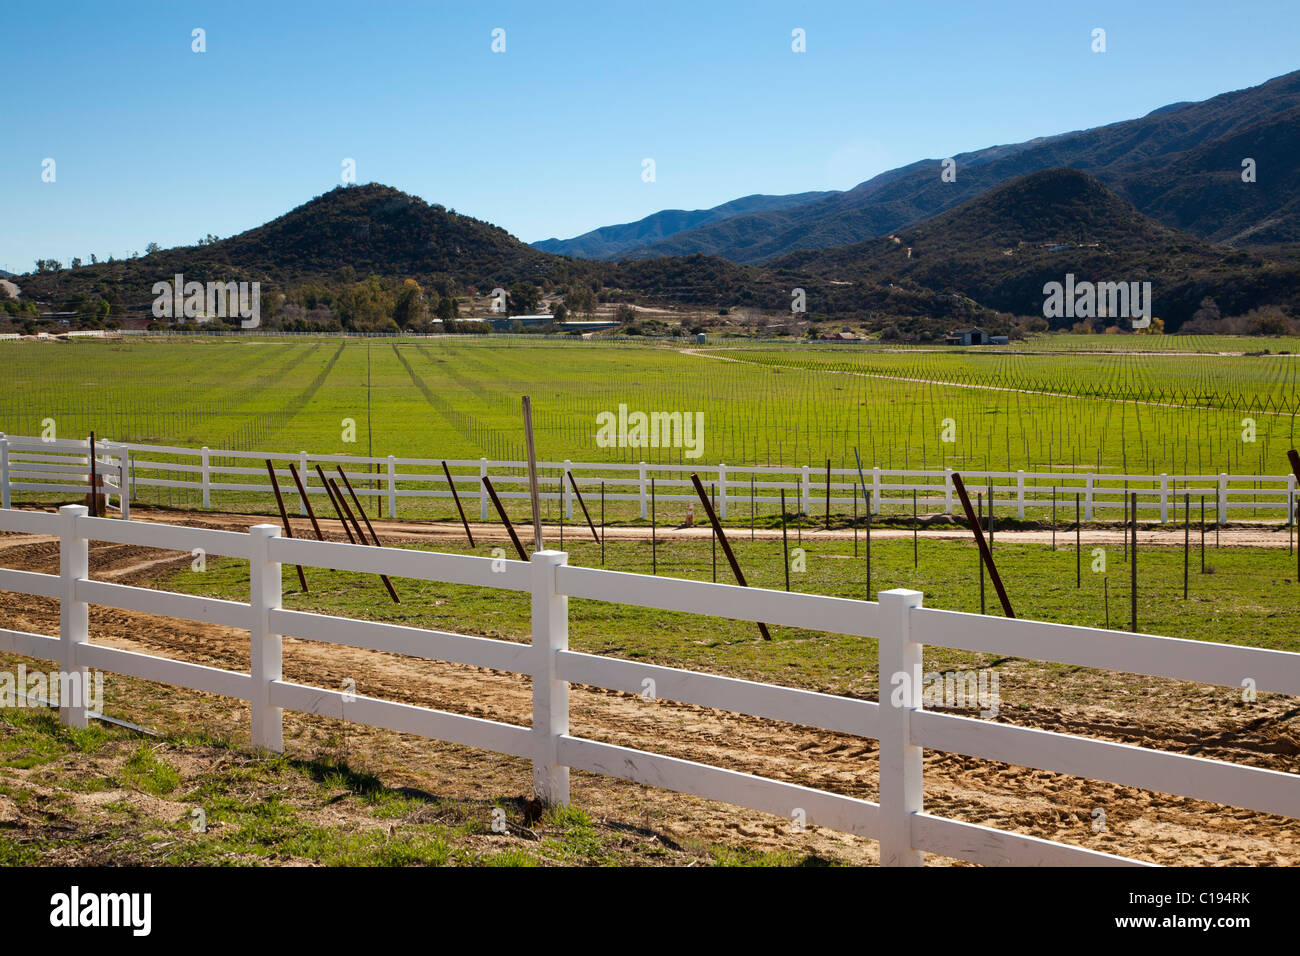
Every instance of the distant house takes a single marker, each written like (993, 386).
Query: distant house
(975, 336)
(967, 337)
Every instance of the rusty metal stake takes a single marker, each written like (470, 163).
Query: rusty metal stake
(726, 546)
(452, 485)
(505, 518)
(284, 516)
(985, 554)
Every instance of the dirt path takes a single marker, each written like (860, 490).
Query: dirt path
(1164, 714)
(417, 531)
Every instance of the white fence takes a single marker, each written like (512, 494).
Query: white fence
(899, 622)
(27, 462)
(62, 466)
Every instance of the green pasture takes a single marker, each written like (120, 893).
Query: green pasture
(459, 397)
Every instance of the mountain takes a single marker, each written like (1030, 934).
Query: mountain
(611, 242)
(1000, 248)
(351, 229)
(1180, 164)
(990, 254)
(7, 275)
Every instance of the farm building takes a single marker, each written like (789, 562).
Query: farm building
(974, 336)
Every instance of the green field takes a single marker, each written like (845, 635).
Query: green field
(1034, 407)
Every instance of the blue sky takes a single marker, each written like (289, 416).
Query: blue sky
(153, 142)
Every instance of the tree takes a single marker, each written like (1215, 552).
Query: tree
(580, 299)
(152, 248)
(560, 313)
(366, 306)
(1208, 312)
(409, 308)
(522, 299)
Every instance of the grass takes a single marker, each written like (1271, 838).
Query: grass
(1034, 408)
(1246, 597)
(232, 807)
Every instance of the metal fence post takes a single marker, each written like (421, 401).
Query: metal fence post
(264, 595)
(550, 626)
(901, 778)
(74, 617)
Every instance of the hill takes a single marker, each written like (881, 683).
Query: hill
(351, 231)
(1180, 164)
(1000, 248)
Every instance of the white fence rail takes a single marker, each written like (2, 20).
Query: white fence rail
(28, 464)
(899, 622)
(62, 466)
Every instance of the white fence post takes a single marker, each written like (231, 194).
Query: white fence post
(901, 779)
(74, 617)
(1223, 497)
(264, 595)
(1290, 497)
(805, 492)
(203, 470)
(1164, 497)
(947, 491)
(302, 470)
(550, 620)
(482, 490)
(1020, 493)
(1087, 499)
(568, 495)
(875, 490)
(4, 472)
(124, 482)
(722, 490)
(643, 491)
(392, 488)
